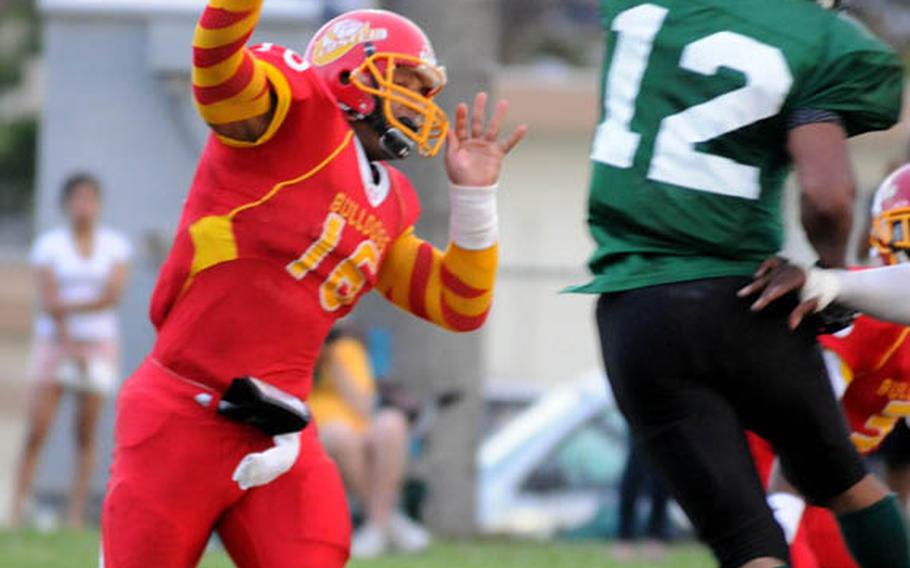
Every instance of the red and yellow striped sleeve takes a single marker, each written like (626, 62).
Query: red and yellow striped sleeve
(453, 290)
(229, 84)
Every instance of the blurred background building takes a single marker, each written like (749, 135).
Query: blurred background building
(103, 86)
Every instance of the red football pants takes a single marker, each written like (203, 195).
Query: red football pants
(171, 486)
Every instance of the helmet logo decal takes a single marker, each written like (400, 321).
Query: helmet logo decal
(426, 53)
(342, 37)
(889, 196)
(887, 192)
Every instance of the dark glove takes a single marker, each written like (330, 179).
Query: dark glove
(267, 408)
(834, 318)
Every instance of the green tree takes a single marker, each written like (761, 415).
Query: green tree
(19, 43)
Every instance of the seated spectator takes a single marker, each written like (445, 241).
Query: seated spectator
(81, 271)
(369, 445)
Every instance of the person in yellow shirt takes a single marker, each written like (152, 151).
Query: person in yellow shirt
(368, 442)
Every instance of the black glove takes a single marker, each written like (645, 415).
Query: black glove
(251, 401)
(832, 319)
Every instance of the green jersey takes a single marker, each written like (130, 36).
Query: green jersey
(690, 159)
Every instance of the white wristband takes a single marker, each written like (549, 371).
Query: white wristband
(474, 221)
(822, 285)
(788, 512)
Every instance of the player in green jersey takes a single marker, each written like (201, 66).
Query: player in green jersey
(708, 104)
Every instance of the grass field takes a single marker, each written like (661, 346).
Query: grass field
(77, 550)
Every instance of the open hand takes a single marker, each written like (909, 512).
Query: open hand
(774, 279)
(474, 152)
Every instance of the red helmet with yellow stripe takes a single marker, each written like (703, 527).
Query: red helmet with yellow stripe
(890, 231)
(356, 54)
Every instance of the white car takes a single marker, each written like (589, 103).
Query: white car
(553, 465)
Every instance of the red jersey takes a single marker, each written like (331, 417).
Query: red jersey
(874, 371)
(875, 365)
(279, 237)
(277, 240)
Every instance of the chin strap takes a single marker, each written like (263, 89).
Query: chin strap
(394, 143)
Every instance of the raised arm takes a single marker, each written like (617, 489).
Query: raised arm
(230, 86)
(452, 289)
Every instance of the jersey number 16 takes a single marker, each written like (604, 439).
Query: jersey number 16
(348, 277)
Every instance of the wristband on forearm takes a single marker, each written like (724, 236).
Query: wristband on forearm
(474, 221)
(822, 285)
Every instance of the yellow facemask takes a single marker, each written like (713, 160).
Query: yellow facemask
(883, 232)
(433, 124)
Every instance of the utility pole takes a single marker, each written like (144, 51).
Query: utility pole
(464, 34)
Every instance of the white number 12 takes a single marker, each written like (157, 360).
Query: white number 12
(675, 160)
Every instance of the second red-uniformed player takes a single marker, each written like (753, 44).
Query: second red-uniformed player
(869, 364)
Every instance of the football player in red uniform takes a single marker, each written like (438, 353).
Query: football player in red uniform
(292, 216)
(869, 365)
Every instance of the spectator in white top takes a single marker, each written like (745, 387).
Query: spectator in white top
(81, 270)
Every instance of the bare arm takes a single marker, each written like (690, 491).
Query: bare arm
(49, 297)
(113, 291)
(825, 177)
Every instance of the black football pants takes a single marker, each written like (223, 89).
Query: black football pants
(691, 368)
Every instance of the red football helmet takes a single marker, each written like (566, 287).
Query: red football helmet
(890, 232)
(356, 54)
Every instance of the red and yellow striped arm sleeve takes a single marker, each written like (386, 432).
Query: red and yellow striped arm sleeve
(229, 84)
(453, 290)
